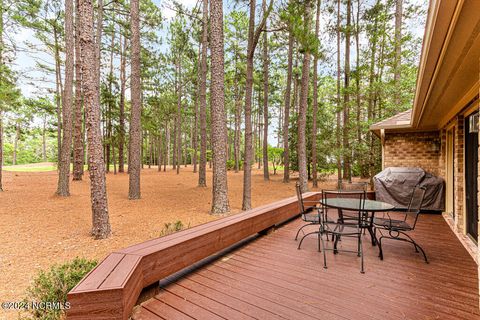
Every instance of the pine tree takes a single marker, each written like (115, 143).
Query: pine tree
(100, 219)
(78, 143)
(136, 112)
(302, 112)
(253, 37)
(202, 169)
(67, 110)
(219, 128)
(315, 100)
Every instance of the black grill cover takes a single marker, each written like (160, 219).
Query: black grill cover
(395, 186)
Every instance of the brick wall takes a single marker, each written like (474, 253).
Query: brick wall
(417, 149)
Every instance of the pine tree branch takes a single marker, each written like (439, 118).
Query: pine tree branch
(261, 26)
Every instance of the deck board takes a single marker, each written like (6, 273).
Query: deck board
(269, 278)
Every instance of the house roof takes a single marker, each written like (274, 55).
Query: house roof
(400, 120)
(449, 66)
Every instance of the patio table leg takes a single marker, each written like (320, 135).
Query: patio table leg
(370, 230)
(372, 236)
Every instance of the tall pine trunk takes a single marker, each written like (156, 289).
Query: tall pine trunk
(302, 110)
(100, 220)
(196, 106)
(111, 103)
(63, 188)
(159, 151)
(265, 98)
(253, 36)
(58, 92)
(98, 45)
(167, 142)
(121, 121)
(44, 138)
(136, 111)
(219, 128)
(398, 51)
(78, 135)
(346, 100)
(15, 141)
(315, 101)
(202, 169)
(238, 114)
(286, 113)
(339, 117)
(371, 95)
(178, 118)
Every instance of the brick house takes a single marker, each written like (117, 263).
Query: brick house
(440, 132)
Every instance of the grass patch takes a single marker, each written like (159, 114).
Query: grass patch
(29, 168)
(42, 167)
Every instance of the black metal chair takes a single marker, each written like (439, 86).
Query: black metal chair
(397, 228)
(353, 186)
(342, 226)
(357, 186)
(309, 214)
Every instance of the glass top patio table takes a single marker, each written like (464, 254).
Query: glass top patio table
(354, 204)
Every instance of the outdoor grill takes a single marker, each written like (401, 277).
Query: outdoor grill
(395, 185)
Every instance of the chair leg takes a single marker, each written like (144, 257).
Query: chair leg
(361, 255)
(380, 254)
(415, 244)
(358, 243)
(319, 236)
(423, 252)
(301, 229)
(335, 251)
(411, 240)
(324, 253)
(372, 235)
(307, 234)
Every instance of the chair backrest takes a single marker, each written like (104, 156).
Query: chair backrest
(301, 207)
(415, 205)
(353, 186)
(343, 194)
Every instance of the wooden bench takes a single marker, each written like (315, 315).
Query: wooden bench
(111, 290)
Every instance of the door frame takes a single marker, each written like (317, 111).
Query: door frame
(450, 171)
(471, 110)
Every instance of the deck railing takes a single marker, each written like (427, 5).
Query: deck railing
(111, 290)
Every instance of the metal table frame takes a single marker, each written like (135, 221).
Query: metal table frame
(370, 206)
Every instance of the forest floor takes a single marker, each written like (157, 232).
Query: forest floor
(38, 228)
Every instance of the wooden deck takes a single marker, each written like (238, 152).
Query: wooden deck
(268, 278)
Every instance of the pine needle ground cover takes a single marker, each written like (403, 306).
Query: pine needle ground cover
(39, 229)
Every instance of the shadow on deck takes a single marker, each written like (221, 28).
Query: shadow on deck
(268, 278)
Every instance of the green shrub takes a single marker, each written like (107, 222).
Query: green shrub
(171, 227)
(53, 285)
(231, 164)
